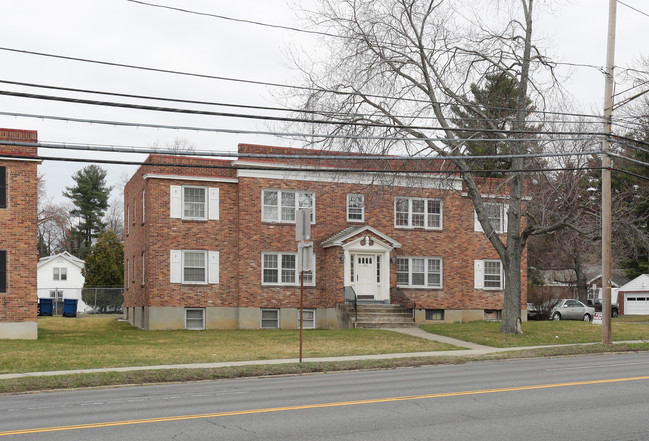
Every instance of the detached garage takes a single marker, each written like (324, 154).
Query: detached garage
(634, 296)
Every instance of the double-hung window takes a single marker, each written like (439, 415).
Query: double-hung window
(492, 274)
(281, 205)
(281, 269)
(193, 202)
(418, 213)
(3, 187)
(488, 274)
(3, 271)
(497, 214)
(60, 274)
(355, 208)
(193, 267)
(143, 205)
(419, 272)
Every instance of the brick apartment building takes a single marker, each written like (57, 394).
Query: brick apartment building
(210, 243)
(18, 254)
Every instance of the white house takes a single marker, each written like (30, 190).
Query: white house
(634, 296)
(59, 277)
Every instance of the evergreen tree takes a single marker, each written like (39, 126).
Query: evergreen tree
(494, 110)
(90, 198)
(104, 269)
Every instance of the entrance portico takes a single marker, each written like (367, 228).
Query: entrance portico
(366, 257)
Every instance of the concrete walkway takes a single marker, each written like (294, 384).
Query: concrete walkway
(472, 349)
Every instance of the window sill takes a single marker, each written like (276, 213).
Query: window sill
(401, 227)
(277, 285)
(429, 288)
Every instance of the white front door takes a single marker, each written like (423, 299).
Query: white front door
(365, 276)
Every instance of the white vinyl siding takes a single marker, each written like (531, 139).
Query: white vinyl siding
(280, 205)
(355, 208)
(488, 275)
(194, 202)
(419, 272)
(497, 214)
(418, 213)
(281, 269)
(194, 266)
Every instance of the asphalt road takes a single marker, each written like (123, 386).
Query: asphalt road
(602, 397)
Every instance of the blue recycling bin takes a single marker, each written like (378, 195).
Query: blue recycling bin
(45, 306)
(70, 307)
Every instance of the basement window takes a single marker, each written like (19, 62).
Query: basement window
(270, 319)
(434, 314)
(195, 318)
(492, 314)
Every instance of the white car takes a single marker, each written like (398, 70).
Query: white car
(571, 309)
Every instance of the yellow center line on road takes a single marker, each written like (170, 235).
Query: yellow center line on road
(313, 406)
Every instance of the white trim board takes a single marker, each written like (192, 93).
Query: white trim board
(191, 178)
(301, 174)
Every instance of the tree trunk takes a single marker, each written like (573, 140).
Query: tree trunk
(511, 317)
(582, 287)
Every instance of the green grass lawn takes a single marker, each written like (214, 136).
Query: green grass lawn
(544, 332)
(101, 341)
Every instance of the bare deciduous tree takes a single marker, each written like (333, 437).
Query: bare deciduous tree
(406, 70)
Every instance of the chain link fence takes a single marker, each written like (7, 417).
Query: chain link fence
(92, 300)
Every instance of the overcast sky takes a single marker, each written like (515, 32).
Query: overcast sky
(121, 31)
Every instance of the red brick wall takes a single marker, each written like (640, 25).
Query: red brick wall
(160, 233)
(240, 236)
(18, 226)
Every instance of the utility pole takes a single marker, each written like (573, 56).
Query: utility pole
(606, 176)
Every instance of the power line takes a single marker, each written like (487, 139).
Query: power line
(264, 83)
(336, 156)
(238, 20)
(285, 109)
(312, 32)
(634, 8)
(293, 170)
(311, 135)
(250, 116)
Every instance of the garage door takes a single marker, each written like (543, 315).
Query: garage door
(636, 303)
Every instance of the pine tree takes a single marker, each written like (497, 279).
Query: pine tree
(90, 198)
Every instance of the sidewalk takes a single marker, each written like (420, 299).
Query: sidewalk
(472, 349)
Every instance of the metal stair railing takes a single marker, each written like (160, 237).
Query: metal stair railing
(350, 297)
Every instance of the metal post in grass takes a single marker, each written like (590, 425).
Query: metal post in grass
(304, 256)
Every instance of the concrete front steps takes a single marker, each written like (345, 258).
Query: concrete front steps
(380, 316)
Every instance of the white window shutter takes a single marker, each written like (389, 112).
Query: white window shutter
(476, 223)
(213, 267)
(175, 201)
(175, 266)
(213, 203)
(478, 274)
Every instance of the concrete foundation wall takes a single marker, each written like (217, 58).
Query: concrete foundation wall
(161, 318)
(458, 316)
(19, 331)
